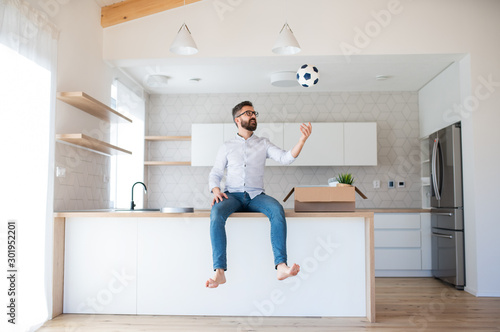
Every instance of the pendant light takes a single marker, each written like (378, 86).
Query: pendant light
(184, 43)
(286, 43)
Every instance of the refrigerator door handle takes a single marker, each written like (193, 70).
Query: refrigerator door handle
(434, 170)
(443, 214)
(446, 236)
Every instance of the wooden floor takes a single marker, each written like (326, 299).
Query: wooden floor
(402, 304)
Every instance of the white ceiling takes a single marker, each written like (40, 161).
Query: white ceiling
(253, 74)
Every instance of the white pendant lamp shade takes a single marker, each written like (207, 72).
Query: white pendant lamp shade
(184, 43)
(286, 43)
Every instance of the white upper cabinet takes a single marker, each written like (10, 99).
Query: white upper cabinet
(325, 146)
(206, 140)
(360, 143)
(273, 131)
(230, 131)
(330, 144)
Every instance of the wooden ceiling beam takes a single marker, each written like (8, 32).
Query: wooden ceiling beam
(128, 10)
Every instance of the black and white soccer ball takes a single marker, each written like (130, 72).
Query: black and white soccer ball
(308, 75)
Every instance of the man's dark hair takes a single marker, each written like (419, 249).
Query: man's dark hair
(237, 108)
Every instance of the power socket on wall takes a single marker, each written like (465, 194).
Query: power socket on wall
(60, 172)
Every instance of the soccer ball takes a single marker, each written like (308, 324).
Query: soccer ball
(307, 75)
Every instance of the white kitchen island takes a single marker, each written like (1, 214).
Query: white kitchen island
(152, 263)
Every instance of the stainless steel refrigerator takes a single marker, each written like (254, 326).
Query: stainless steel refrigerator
(448, 255)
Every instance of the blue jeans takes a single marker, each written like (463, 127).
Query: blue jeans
(241, 202)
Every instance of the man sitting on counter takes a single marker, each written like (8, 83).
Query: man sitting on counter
(244, 158)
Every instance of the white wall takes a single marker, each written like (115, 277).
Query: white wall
(366, 27)
(80, 67)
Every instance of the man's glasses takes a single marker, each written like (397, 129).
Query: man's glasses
(249, 113)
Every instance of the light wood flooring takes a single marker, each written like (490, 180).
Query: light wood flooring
(402, 304)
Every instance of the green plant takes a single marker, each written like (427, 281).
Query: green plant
(346, 178)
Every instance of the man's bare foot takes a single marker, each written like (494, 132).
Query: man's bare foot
(218, 279)
(284, 271)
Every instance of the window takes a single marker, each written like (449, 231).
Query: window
(28, 49)
(26, 132)
(127, 169)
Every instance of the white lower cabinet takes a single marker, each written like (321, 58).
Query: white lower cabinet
(402, 245)
(401, 259)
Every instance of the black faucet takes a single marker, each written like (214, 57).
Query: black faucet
(132, 204)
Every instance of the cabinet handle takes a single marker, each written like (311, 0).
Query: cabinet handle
(446, 236)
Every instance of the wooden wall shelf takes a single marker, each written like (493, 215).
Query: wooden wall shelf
(167, 163)
(86, 103)
(167, 138)
(91, 143)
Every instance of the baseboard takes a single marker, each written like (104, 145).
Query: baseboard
(488, 294)
(470, 290)
(403, 273)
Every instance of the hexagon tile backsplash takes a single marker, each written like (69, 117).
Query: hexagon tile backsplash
(396, 114)
(84, 186)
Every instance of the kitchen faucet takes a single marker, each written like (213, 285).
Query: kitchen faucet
(132, 204)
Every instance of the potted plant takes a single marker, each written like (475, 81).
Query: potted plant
(345, 180)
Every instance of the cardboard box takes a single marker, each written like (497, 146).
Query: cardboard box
(324, 198)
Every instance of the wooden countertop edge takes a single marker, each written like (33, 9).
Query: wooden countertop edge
(206, 213)
(389, 210)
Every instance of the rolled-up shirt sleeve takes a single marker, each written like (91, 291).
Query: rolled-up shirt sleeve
(282, 156)
(217, 172)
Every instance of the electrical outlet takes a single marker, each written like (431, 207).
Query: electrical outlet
(390, 184)
(376, 184)
(401, 184)
(60, 172)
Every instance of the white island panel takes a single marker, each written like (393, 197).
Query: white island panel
(174, 261)
(100, 266)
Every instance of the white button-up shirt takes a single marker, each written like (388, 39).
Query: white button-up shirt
(245, 161)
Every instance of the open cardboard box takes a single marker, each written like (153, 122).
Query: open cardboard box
(324, 198)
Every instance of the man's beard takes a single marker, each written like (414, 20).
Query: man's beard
(249, 125)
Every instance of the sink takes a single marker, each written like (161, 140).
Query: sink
(177, 209)
(163, 210)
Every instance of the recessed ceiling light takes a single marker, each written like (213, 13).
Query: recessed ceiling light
(382, 77)
(284, 79)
